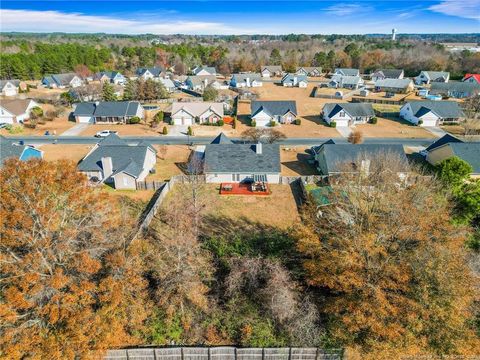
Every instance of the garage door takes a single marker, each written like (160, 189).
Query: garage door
(429, 122)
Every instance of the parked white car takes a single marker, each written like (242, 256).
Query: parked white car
(105, 133)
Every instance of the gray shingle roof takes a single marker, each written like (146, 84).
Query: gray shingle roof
(434, 75)
(335, 157)
(353, 109)
(200, 79)
(107, 108)
(122, 156)
(443, 109)
(9, 149)
(110, 74)
(347, 79)
(347, 71)
(209, 69)
(4, 82)
(454, 86)
(289, 78)
(272, 68)
(280, 107)
(445, 139)
(221, 139)
(469, 152)
(61, 79)
(243, 77)
(156, 71)
(390, 73)
(242, 158)
(393, 83)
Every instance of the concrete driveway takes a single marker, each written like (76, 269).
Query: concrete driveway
(75, 130)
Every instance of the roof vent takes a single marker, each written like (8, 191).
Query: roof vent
(258, 148)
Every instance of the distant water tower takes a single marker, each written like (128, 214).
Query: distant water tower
(394, 32)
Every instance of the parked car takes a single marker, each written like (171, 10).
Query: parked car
(2, 125)
(105, 133)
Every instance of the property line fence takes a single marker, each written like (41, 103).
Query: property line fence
(224, 353)
(310, 179)
(378, 101)
(344, 96)
(149, 185)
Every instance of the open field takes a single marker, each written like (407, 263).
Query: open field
(393, 128)
(65, 152)
(278, 209)
(294, 162)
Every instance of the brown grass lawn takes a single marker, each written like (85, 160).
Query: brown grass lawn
(123, 129)
(308, 109)
(65, 152)
(294, 162)
(170, 161)
(393, 128)
(278, 209)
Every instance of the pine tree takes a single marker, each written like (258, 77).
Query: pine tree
(130, 91)
(108, 93)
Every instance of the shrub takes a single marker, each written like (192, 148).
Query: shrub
(272, 123)
(420, 122)
(30, 125)
(333, 124)
(298, 121)
(355, 137)
(36, 112)
(14, 129)
(134, 120)
(374, 120)
(159, 116)
(41, 122)
(253, 123)
(165, 130)
(190, 131)
(220, 122)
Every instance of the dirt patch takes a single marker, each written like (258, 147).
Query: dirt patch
(294, 162)
(65, 152)
(393, 128)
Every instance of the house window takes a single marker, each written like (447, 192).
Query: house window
(233, 177)
(342, 114)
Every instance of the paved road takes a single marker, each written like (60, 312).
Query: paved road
(197, 140)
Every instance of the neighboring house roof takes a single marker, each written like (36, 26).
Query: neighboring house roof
(347, 79)
(310, 69)
(434, 75)
(272, 68)
(347, 71)
(12, 149)
(210, 69)
(353, 109)
(469, 152)
(198, 108)
(221, 139)
(290, 78)
(155, 71)
(125, 158)
(16, 106)
(167, 83)
(445, 139)
(280, 107)
(475, 76)
(443, 109)
(393, 83)
(335, 157)
(244, 77)
(390, 73)
(242, 158)
(107, 108)
(61, 79)
(200, 79)
(110, 74)
(5, 82)
(454, 86)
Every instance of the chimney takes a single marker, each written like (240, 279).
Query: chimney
(258, 148)
(107, 167)
(247, 80)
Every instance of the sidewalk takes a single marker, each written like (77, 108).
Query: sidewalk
(435, 130)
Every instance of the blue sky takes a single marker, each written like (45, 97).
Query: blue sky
(242, 17)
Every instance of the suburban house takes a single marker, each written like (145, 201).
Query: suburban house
(313, 71)
(399, 86)
(467, 151)
(335, 159)
(270, 71)
(200, 82)
(204, 70)
(246, 80)
(294, 80)
(114, 162)
(11, 87)
(13, 149)
(149, 73)
(455, 89)
(168, 84)
(348, 114)
(265, 112)
(16, 111)
(346, 82)
(431, 113)
(188, 113)
(62, 81)
(113, 77)
(382, 74)
(472, 78)
(107, 111)
(346, 72)
(426, 77)
(225, 161)
(442, 141)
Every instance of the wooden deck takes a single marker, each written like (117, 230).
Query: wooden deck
(241, 189)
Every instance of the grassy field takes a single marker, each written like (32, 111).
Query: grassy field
(65, 152)
(171, 159)
(278, 209)
(393, 128)
(294, 162)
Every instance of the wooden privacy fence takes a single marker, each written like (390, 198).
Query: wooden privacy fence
(310, 179)
(224, 353)
(149, 185)
(378, 101)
